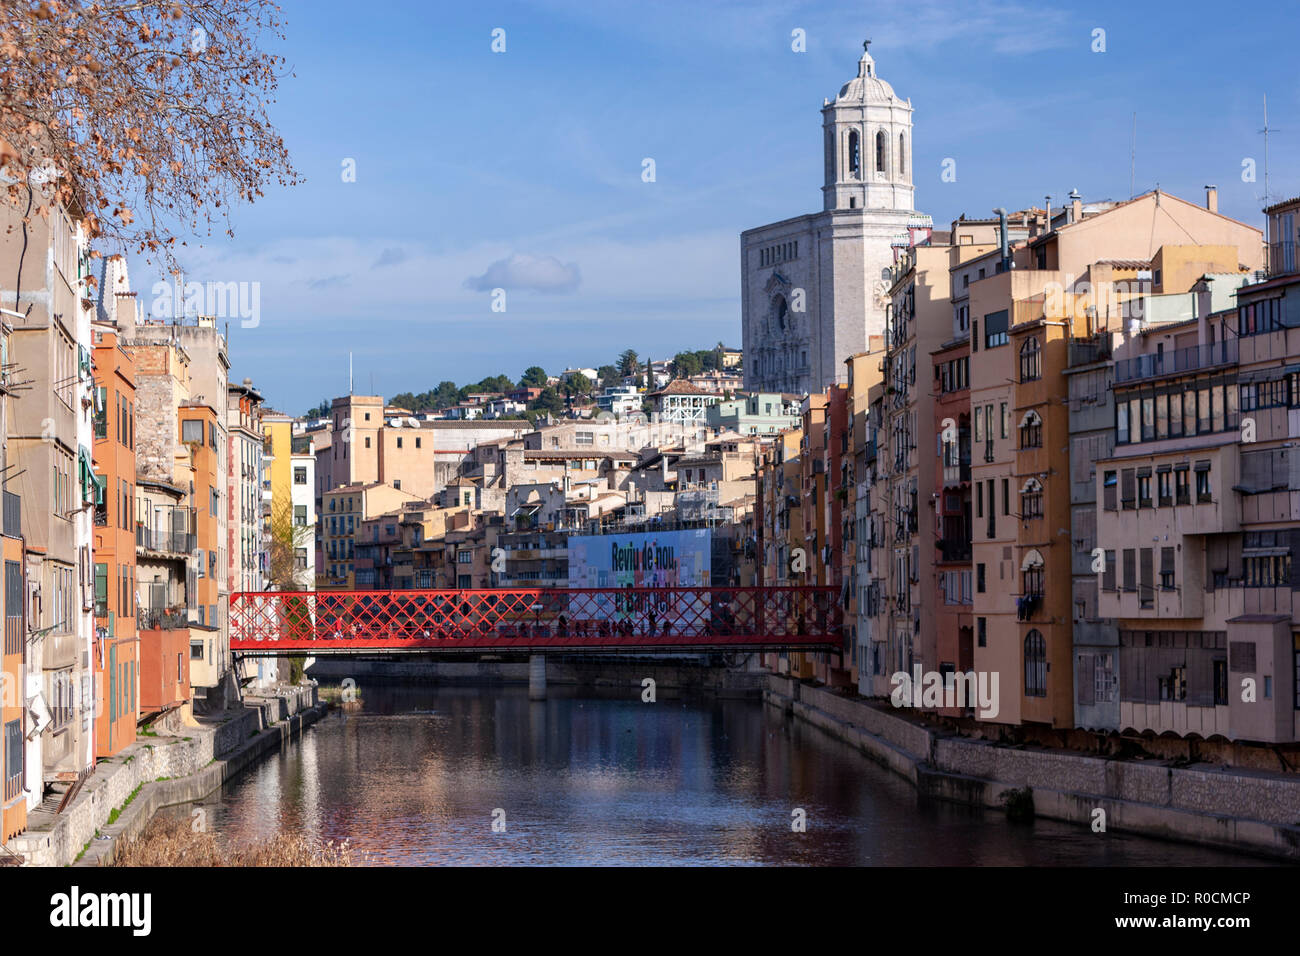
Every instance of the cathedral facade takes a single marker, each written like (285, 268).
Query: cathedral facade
(813, 288)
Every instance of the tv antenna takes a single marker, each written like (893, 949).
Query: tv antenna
(1266, 130)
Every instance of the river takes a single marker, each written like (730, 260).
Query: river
(421, 775)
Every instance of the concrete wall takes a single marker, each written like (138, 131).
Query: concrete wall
(1242, 810)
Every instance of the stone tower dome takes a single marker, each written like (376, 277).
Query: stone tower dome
(868, 144)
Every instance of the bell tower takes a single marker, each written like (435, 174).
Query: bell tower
(868, 144)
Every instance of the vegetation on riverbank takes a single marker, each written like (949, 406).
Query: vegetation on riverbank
(172, 842)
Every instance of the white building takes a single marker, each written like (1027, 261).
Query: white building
(813, 288)
(303, 494)
(620, 399)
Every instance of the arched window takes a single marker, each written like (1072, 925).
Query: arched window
(1031, 430)
(1035, 665)
(855, 156)
(880, 151)
(902, 156)
(1031, 499)
(780, 310)
(1031, 360)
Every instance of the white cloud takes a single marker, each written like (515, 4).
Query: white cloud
(522, 272)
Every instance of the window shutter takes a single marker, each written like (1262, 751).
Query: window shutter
(1086, 679)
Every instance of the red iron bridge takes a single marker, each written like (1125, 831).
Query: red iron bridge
(319, 623)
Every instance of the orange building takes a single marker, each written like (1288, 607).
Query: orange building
(199, 434)
(116, 659)
(13, 654)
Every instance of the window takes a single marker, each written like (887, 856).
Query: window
(1035, 665)
(192, 431)
(399, 441)
(880, 151)
(1182, 486)
(1266, 571)
(855, 156)
(1167, 569)
(1103, 677)
(1031, 360)
(1165, 486)
(1033, 580)
(1031, 430)
(1144, 487)
(982, 631)
(464, 557)
(1128, 489)
(300, 515)
(995, 329)
(979, 579)
(300, 475)
(1203, 490)
(1109, 490)
(1108, 572)
(1174, 685)
(1031, 499)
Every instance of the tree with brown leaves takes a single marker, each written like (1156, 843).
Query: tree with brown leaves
(148, 116)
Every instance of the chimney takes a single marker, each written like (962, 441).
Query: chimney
(1076, 206)
(1212, 198)
(1003, 245)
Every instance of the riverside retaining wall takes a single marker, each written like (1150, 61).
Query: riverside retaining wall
(1245, 810)
(167, 770)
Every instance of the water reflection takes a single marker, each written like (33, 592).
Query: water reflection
(415, 777)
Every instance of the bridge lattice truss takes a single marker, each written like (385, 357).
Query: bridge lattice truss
(270, 623)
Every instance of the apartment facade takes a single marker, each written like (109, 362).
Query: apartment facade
(117, 643)
(52, 471)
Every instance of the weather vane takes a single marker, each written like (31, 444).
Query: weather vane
(865, 44)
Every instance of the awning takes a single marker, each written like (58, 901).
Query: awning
(41, 717)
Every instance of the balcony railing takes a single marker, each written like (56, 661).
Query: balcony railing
(1090, 349)
(13, 515)
(1179, 361)
(158, 539)
(163, 619)
(954, 550)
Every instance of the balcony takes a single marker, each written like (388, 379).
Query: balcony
(1027, 606)
(156, 539)
(1178, 362)
(957, 474)
(954, 549)
(1283, 257)
(163, 619)
(1089, 349)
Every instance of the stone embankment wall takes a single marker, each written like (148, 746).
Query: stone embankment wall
(588, 673)
(168, 770)
(1241, 810)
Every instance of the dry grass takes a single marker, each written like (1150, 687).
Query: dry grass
(172, 843)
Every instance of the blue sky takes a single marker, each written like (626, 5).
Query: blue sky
(476, 168)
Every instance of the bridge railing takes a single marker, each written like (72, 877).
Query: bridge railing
(535, 617)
